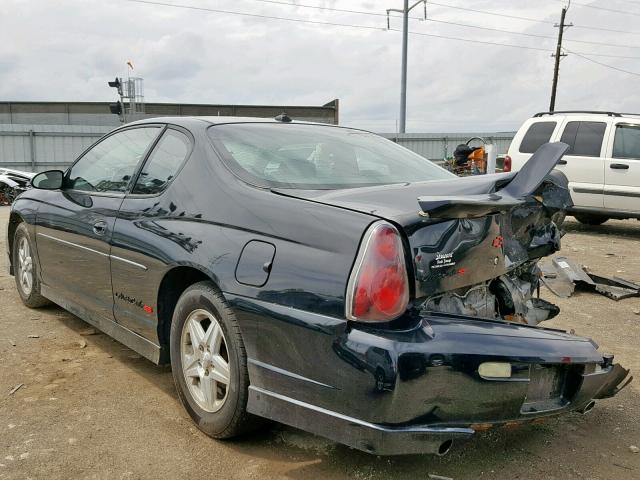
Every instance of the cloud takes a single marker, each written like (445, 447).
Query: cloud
(69, 49)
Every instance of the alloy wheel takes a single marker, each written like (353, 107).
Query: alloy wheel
(205, 360)
(25, 266)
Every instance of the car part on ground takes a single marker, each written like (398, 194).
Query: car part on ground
(12, 184)
(562, 276)
(287, 236)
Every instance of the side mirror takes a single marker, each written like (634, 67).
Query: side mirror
(49, 180)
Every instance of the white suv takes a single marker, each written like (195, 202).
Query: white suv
(602, 163)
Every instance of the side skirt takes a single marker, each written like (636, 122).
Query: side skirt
(116, 331)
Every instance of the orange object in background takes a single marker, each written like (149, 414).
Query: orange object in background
(479, 157)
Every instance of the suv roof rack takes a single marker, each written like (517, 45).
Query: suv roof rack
(611, 114)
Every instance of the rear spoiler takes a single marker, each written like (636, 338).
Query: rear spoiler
(527, 180)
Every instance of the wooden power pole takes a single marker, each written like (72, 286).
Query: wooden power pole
(558, 55)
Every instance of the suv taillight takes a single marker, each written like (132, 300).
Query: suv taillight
(378, 289)
(507, 164)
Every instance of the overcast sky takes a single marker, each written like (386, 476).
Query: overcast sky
(67, 50)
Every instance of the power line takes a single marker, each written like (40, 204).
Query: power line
(445, 22)
(256, 15)
(486, 12)
(604, 64)
(534, 35)
(528, 19)
(366, 27)
(596, 7)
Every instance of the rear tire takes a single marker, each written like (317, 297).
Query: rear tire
(591, 219)
(26, 269)
(209, 363)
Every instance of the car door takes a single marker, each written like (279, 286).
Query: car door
(583, 164)
(75, 225)
(622, 168)
(141, 237)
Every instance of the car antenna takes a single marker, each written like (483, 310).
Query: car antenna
(283, 117)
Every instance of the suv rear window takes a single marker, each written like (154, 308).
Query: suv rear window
(627, 142)
(538, 134)
(317, 156)
(584, 138)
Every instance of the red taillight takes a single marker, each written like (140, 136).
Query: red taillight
(507, 164)
(378, 289)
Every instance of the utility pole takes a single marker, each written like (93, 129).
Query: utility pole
(403, 72)
(558, 55)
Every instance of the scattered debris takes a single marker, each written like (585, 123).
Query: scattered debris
(82, 343)
(16, 388)
(634, 449)
(439, 477)
(562, 276)
(636, 312)
(89, 331)
(12, 342)
(33, 336)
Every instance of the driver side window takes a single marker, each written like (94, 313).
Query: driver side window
(109, 165)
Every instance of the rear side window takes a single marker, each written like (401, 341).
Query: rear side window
(163, 163)
(538, 134)
(584, 138)
(627, 142)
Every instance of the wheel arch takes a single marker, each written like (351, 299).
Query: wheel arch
(14, 220)
(173, 284)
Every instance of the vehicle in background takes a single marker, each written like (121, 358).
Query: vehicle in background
(12, 184)
(602, 163)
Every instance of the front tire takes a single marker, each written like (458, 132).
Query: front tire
(589, 219)
(26, 269)
(209, 363)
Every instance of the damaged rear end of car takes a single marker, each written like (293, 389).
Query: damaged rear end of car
(444, 309)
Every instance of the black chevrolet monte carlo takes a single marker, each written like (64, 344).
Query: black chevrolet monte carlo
(320, 276)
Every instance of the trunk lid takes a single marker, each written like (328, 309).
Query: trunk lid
(467, 230)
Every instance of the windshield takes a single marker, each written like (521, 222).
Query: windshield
(317, 156)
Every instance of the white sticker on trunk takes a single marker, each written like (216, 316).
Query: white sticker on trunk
(563, 264)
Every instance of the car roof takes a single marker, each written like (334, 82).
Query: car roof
(185, 120)
(592, 115)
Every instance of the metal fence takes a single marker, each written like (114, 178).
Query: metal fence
(37, 148)
(439, 146)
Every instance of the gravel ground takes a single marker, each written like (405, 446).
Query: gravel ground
(91, 408)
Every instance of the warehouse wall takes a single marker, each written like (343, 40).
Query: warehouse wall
(43, 147)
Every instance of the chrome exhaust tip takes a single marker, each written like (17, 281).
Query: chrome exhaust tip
(588, 407)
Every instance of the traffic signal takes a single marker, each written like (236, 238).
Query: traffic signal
(116, 108)
(116, 84)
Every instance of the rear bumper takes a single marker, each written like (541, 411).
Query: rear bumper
(410, 392)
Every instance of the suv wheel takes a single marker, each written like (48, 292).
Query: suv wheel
(25, 269)
(209, 363)
(591, 219)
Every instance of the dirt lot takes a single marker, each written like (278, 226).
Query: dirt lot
(91, 408)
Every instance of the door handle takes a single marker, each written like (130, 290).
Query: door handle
(100, 227)
(562, 162)
(619, 166)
